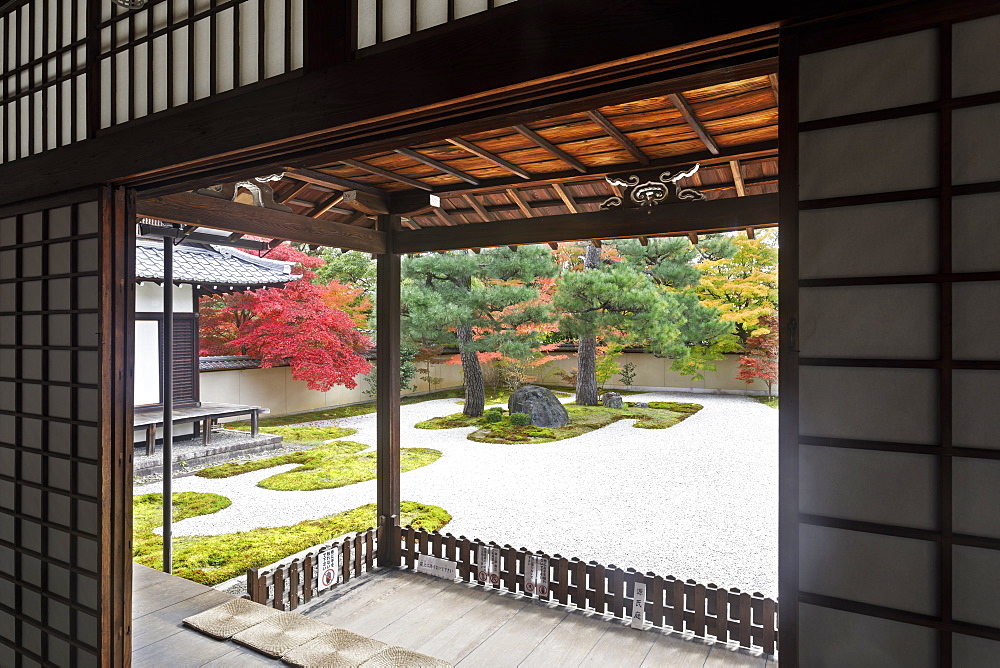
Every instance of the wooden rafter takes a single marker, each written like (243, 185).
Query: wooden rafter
(191, 209)
(745, 152)
(444, 217)
(566, 197)
(688, 114)
(521, 203)
(741, 189)
(477, 207)
(330, 204)
(378, 171)
(773, 78)
(489, 157)
(545, 144)
(616, 134)
(330, 181)
(440, 166)
(294, 193)
(674, 219)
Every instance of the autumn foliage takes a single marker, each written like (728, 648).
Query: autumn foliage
(760, 358)
(313, 328)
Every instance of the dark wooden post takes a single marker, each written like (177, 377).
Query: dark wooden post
(387, 378)
(331, 32)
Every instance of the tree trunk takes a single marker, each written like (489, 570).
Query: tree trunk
(586, 364)
(586, 376)
(472, 373)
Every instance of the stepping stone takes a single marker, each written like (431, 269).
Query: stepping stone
(335, 648)
(281, 633)
(226, 620)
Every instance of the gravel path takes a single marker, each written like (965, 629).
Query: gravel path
(698, 500)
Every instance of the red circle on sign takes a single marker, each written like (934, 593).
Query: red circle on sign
(328, 578)
(495, 579)
(482, 576)
(528, 587)
(542, 590)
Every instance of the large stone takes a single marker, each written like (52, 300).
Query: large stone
(611, 400)
(543, 407)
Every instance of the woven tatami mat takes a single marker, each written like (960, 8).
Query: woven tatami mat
(224, 621)
(397, 657)
(335, 648)
(279, 634)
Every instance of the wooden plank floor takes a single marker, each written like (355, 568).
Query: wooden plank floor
(159, 603)
(470, 626)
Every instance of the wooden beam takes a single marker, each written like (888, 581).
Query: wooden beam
(616, 134)
(741, 189)
(687, 113)
(521, 203)
(489, 157)
(566, 197)
(372, 169)
(477, 207)
(331, 181)
(190, 209)
(544, 143)
(674, 219)
(773, 78)
(440, 166)
(294, 193)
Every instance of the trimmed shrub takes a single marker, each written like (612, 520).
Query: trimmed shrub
(493, 415)
(520, 419)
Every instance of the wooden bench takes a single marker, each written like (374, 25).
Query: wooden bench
(203, 417)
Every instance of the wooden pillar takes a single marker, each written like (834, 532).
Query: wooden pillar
(387, 360)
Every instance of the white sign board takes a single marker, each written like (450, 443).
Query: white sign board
(328, 567)
(488, 571)
(536, 575)
(639, 605)
(436, 566)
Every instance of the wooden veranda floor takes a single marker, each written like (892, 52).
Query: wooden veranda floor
(470, 626)
(159, 603)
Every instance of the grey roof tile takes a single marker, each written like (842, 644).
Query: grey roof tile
(211, 265)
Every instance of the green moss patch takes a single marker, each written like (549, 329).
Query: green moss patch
(325, 466)
(582, 419)
(307, 435)
(767, 401)
(214, 559)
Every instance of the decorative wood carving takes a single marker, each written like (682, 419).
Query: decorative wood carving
(259, 189)
(655, 190)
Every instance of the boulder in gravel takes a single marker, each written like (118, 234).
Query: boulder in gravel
(611, 400)
(538, 402)
(641, 404)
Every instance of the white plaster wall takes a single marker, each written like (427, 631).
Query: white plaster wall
(149, 298)
(276, 390)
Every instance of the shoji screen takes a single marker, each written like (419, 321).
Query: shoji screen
(384, 20)
(891, 446)
(62, 578)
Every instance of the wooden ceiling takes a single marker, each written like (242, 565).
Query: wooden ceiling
(558, 166)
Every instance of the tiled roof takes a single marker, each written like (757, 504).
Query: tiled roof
(228, 362)
(210, 266)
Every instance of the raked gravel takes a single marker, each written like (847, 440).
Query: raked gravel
(698, 500)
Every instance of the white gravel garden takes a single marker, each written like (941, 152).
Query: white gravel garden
(698, 500)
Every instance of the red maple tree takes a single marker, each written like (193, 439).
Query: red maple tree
(313, 328)
(760, 358)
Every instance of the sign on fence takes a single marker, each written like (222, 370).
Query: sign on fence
(488, 561)
(536, 574)
(441, 568)
(328, 567)
(639, 605)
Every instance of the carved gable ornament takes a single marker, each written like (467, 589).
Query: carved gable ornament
(254, 192)
(653, 191)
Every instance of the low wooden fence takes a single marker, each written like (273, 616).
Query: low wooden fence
(729, 615)
(683, 606)
(289, 586)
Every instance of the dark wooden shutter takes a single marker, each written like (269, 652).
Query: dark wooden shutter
(185, 360)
